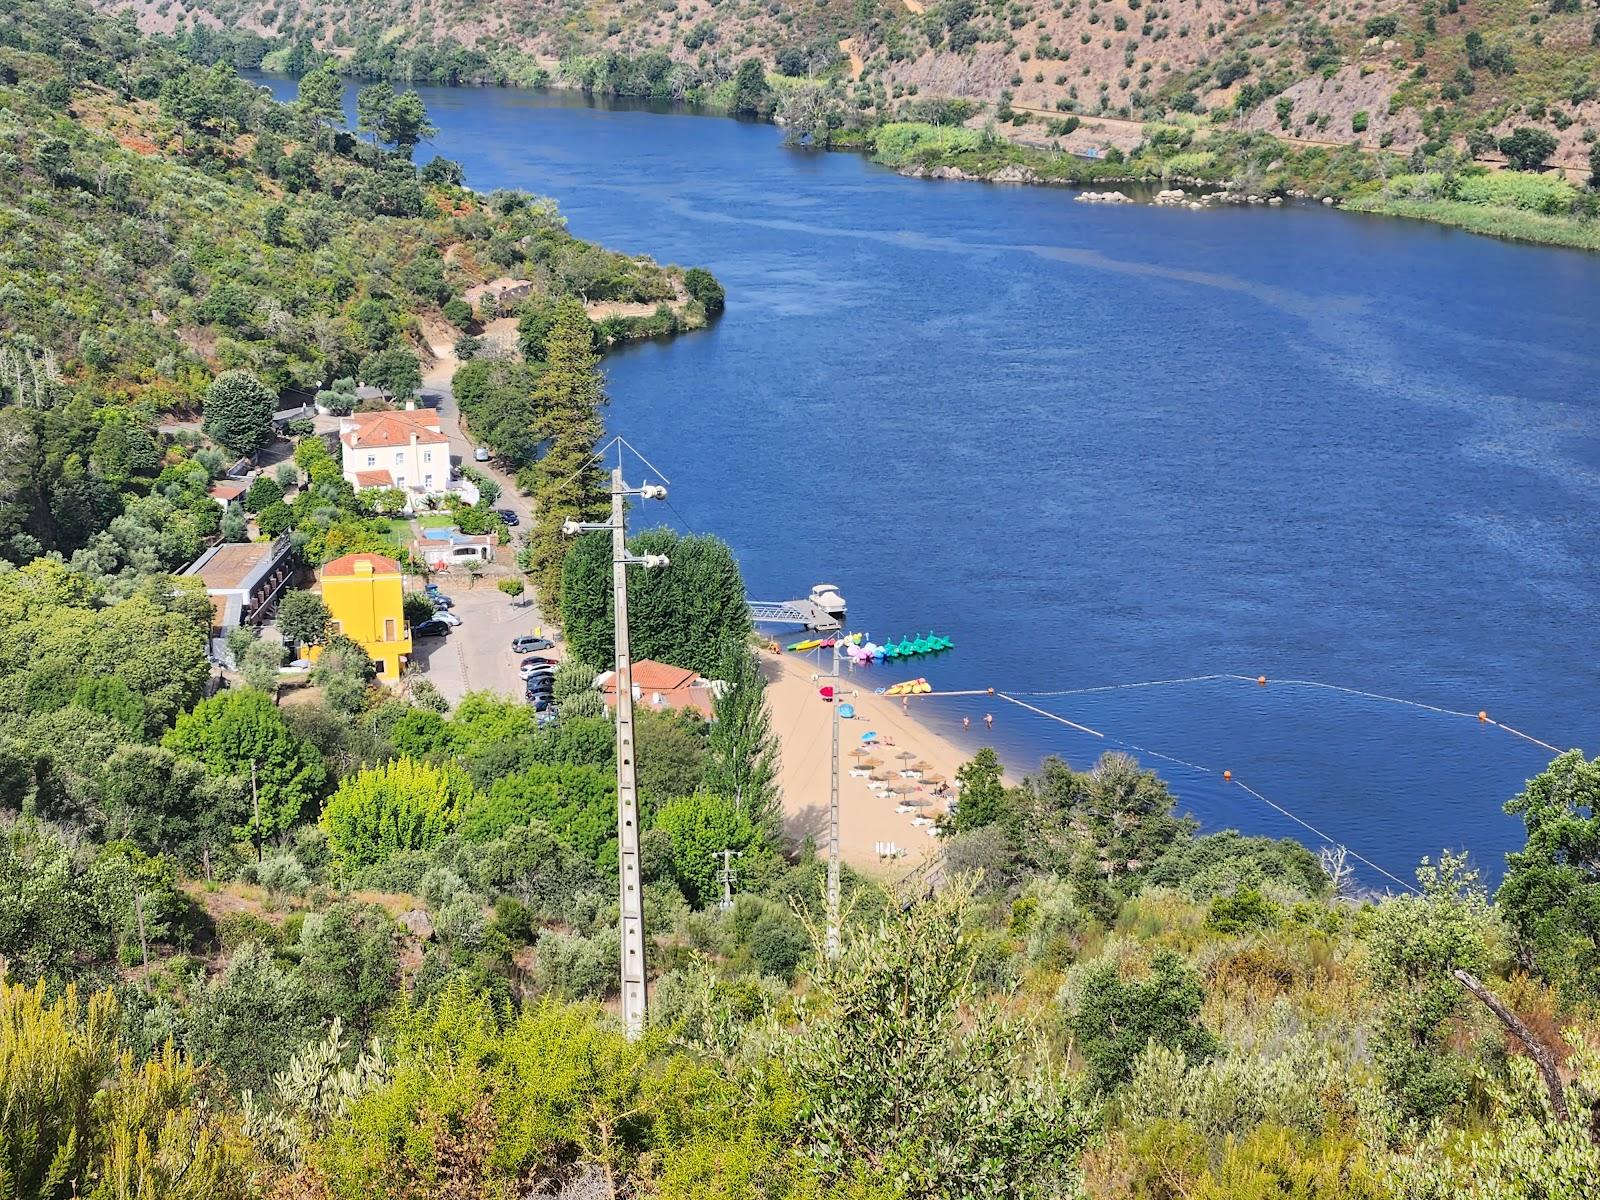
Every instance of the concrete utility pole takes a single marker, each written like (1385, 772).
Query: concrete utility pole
(630, 896)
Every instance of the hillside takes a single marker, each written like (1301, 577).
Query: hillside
(1417, 73)
(161, 222)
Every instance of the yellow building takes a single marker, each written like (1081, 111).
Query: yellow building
(365, 597)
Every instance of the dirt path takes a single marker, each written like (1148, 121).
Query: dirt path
(915, 6)
(847, 46)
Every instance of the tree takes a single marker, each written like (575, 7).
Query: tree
(1117, 1018)
(567, 398)
(396, 371)
(701, 827)
(405, 123)
(321, 102)
(264, 490)
(1527, 148)
(702, 286)
(303, 618)
(238, 412)
(512, 586)
(901, 1062)
(260, 666)
(751, 92)
(1414, 944)
(684, 614)
(372, 109)
(402, 805)
(741, 751)
(1551, 892)
(351, 966)
(235, 729)
(982, 794)
(672, 753)
(249, 1019)
(578, 803)
(344, 672)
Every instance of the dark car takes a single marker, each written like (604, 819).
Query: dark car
(432, 627)
(437, 598)
(528, 643)
(536, 660)
(542, 703)
(509, 516)
(540, 683)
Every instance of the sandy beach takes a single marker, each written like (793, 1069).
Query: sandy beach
(867, 819)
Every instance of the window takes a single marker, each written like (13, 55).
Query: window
(399, 457)
(427, 482)
(383, 666)
(388, 632)
(400, 481)
(338, 627)
(427, 456)
(372, 460)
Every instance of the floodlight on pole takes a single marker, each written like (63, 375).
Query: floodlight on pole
(629, 884)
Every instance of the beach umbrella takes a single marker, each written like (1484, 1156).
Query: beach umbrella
(934, 779)
(919, 766)
(902, 789)
(847, 711)
(874, 763)
(860, 752)
(870, 735)
(905, 756)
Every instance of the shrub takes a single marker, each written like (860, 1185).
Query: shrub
(779, 944)
(579, 803)
(1116, 1018)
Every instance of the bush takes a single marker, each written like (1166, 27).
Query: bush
(575, 967)
(779, 944)
(578, 802)
(1116, 1018)
(703, 287)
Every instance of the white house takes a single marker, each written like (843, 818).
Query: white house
(405, 450)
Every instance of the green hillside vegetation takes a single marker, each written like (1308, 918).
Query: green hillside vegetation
(161, 223)
(1425, 87)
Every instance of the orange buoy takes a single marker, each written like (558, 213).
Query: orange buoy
(1262, 680)
(1483, 716)
(1227, 775)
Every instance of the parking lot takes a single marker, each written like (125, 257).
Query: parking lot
(477, 655)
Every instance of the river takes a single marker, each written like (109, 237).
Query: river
(1109, 445)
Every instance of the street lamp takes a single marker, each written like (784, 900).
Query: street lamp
(630, 896)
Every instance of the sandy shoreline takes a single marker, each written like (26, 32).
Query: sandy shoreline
(802, 721)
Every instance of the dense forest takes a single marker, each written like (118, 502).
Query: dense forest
(347, 941)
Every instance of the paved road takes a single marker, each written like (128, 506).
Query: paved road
(477, 655)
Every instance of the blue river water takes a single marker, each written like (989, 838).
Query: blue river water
(1107, 445)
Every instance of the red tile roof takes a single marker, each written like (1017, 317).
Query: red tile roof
(662, 685)
(391, 428)
(347, 565)
(228, 491)
(374, 479)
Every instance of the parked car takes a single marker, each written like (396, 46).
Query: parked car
(509, 516)
(437, 598)
(445, 615)
(480, 455)
(528, 643)
(542, 703)
(538, 671)
(535, 660)
(540, 683)
(432, 627)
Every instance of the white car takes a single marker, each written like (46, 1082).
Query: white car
(533, 669)
(448, 617)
